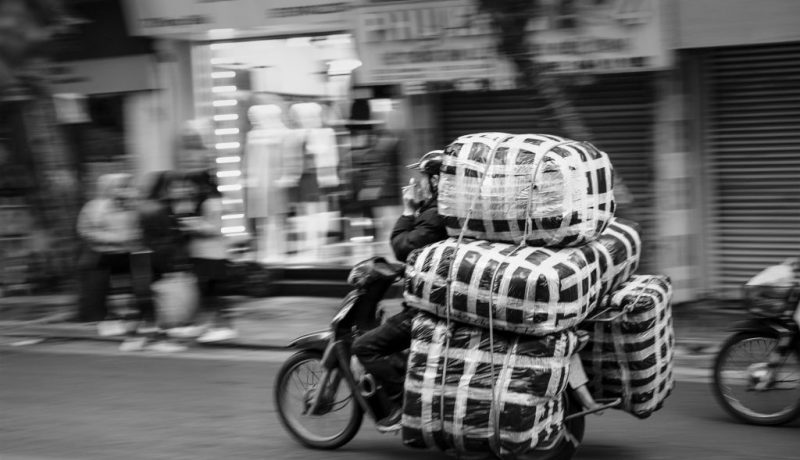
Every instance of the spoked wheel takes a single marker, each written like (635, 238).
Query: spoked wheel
(572, 437)
(748, 388)
(295, 385)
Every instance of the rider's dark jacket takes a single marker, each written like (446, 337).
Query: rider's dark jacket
(414, 232)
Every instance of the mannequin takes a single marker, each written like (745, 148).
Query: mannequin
(310, 174)
(310, 138)
(266, 200)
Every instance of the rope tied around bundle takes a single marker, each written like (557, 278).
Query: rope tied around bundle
(495, 442)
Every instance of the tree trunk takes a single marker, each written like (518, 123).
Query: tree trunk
(510, 19)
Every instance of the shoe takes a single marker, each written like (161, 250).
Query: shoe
(163, 346)
(186, 332)
(111, 328)
(218, 334)
(133, 344)
(391, 422)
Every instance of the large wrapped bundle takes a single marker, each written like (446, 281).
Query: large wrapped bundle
(534, 291)
(467, 393)
(499, 183)
(631, 358)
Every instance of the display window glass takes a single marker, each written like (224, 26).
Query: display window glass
(299, 180)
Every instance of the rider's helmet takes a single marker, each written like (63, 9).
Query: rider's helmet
(430, 163)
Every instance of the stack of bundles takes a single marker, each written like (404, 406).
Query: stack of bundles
(533, 291)
(468, 392)
(533, 249)
(498, 183)
(632, 358)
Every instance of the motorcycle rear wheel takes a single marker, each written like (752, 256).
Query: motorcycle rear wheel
(734, 380)
(301, 372)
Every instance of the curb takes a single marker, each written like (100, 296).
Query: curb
(67, 334)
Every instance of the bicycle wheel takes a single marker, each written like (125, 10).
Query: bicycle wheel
(744, 386)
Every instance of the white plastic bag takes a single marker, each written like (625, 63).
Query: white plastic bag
(776, 275)
(176, 297)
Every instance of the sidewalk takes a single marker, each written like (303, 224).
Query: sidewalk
(272, 323)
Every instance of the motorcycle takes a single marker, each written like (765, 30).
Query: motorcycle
(756, 375)
(322, 392)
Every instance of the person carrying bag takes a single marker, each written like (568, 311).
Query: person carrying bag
(174, 287)
(208, 252)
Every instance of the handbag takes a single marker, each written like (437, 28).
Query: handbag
(177, 297)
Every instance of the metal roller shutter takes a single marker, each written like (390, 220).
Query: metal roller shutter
(753, 144)
(617, 109)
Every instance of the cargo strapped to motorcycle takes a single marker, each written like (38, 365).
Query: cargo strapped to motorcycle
(494, 426)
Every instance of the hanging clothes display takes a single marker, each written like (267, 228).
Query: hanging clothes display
(266, 201)
(309, 173)
(264, 152)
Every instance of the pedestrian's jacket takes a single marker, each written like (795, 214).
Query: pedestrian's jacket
(414, 232)
(105, 225)
(161, 234)
(206, 240)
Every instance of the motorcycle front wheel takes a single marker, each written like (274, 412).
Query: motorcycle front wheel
(295, 384)
(747, 389)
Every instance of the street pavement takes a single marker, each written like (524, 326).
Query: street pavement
(62, 404)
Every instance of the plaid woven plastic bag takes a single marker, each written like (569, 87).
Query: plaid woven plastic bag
(631, 358)
(532, 291)
(499, 183)
(501, 394)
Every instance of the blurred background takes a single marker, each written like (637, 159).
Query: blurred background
(307, 112)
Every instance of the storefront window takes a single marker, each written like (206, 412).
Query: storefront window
(300, 179)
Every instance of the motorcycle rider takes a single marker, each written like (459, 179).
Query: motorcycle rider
(418, 226)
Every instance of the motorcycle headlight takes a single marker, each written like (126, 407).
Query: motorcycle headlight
(771, 300)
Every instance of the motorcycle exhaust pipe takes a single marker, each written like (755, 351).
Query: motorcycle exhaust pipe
(368, 385)
(371, 391)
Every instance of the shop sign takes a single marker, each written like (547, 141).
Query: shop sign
(606, 36)
(412, 42)
(206, 19)
(422, 41)
(99, 76)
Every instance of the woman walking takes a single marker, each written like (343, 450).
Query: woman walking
(163, 236)
(208, 251)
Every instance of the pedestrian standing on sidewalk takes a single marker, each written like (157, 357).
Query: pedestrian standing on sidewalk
(109, 229)
(208, 252)
(162, 235)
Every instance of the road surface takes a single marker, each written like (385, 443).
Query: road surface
(67, 401)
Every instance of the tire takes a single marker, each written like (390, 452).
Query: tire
(303, 435)
(731, 404)
(566, 447)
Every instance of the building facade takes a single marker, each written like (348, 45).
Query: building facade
(693, 100)
(740, 61)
